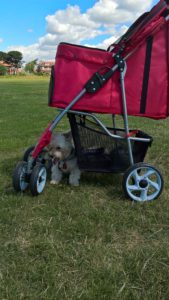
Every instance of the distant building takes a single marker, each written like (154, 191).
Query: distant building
(45, 66)
(10, 68)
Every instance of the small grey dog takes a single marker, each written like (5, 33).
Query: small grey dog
(62, 151)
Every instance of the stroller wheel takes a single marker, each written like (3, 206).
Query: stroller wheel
(142, 182)
(27, 153)
(20, 178)
(42, 158)
(38, 179)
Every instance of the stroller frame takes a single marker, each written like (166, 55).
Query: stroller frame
(122, 68)
(32, 173)
(141, 182)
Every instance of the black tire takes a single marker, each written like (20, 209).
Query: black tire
(138, 186)
(19, 178)
(38, 179)
(28, 153)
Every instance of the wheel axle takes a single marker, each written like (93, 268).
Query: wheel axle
(143, 183)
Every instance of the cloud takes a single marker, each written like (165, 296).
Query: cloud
(34, 51)
(68, 18)
(1, 40)
(107, 42)
(105, 20)
(117, 11)
(69, 25)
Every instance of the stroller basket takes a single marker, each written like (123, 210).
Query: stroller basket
(98, 152)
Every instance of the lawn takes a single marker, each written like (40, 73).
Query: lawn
(86, 243)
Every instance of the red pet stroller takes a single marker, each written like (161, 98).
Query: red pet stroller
(130, 78)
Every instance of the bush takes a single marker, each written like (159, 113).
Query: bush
(3, 70)
(42, 74)
(21, 74)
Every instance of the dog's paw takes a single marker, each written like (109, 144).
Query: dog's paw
(53, 182)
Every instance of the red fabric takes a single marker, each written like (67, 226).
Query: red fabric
(75, 65)
(131, 133)
(73, 68)
(43, 142)
(157, 96)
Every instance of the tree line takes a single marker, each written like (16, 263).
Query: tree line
(13, 58)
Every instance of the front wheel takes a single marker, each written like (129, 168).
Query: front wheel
(142, 182)
(20, 178)
(38, 179)
(28, 153)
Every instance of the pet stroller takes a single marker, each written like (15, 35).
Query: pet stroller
(130, 78)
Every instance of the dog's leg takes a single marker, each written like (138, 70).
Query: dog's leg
(74, 177)
(56, 175)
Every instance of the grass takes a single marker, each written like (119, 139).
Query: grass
(86, 243)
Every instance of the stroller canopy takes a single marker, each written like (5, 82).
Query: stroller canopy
(144, 47)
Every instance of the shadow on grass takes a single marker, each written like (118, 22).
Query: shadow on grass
(110, 184)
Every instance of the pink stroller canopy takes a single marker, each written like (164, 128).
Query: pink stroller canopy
(144, 47)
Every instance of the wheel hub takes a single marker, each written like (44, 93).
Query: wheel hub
(143, 183)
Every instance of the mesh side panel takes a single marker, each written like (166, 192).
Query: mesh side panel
(97, 151)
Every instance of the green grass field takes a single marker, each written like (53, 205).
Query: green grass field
(86, 243)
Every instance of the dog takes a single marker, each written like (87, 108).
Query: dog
(64, 160)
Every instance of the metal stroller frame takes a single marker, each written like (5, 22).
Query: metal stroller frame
(32, 172)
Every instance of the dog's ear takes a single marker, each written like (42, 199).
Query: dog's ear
(53, 138)
(54, 135)
(68, 135)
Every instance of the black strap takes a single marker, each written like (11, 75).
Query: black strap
(146, 75)
(51, 86)
(98, 80)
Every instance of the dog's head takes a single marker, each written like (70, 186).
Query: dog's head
(60, 146)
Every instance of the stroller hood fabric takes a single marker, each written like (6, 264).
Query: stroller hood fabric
(145, 48)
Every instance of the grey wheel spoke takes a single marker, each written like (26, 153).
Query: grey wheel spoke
(43, 176)
(144, 195)
(149, 173)
(154, 185)
(133, 188)
(136, 176)
(41, 180)
(22, 178)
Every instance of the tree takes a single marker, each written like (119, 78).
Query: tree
(14, 58)
(3, 70)
(3, 56)
(30, 67)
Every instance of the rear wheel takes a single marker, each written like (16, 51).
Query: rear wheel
(42, 158)
(142, 182)
(38, 179)
(20, 178)
(28, 153)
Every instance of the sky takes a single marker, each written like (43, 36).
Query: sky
(36, 27)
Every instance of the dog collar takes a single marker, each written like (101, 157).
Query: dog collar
(71, 156)
(55, 161)
(62, 164)
(63, 167)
